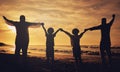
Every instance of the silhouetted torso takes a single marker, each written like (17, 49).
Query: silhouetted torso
(50, 39)
(22, 36)
(22, 30)
(75, 40)
(105, 33)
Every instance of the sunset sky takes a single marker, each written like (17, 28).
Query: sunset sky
(66, 14)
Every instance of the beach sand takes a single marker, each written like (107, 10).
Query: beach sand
(9, 63)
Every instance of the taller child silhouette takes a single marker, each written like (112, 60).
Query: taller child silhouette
(22, 34)
(50, 35)
(105, 38)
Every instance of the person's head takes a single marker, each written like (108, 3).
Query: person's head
(50, 30)
(22, 18)
(103, 21)
(75, 31)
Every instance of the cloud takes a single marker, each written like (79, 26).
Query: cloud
(63, 9)
(68, 11)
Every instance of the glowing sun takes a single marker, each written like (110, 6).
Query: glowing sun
(12, 28)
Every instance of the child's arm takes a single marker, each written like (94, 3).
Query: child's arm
(56, 32)
(66, 32)
(82, 33)
(44, 28)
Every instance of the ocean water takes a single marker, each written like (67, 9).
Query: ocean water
(61, 51)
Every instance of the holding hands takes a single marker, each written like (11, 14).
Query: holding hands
(4, 17)
(113, 15)
(60, 29)
(42, 24)
(86, 30)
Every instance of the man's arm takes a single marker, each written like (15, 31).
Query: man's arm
(112, 20)
(34, 25)
(9, 22)
(94, 28)
(66, 32)
(44, 28)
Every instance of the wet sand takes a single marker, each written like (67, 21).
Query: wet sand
(9, 63)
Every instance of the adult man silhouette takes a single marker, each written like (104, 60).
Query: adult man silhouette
(22, 34)
(105, 38)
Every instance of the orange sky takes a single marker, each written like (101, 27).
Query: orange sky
(66, 14)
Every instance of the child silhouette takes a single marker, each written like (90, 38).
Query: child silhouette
(50, 34)
(75, 42)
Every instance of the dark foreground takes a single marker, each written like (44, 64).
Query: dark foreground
(8, 63)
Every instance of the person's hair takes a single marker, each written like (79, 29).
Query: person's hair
(103, 19)
(22, 17)
(75, 31)
(50, 30)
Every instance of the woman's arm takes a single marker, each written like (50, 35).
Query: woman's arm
(9, 22)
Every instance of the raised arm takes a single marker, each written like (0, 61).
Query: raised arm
(112, 20)
(44, 28)
(56, 32)
(66, 32)
(9, 22)
(82, 33)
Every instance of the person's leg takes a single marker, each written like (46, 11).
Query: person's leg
(102, 55)
(24, 50)
(75, 55)
(52, 57)
(52, 60)
(80, 60)
(47, 58)
(24, 54)
(17, 48)
(47, 54)
(108, 51)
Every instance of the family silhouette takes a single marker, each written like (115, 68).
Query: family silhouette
(22, 38)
